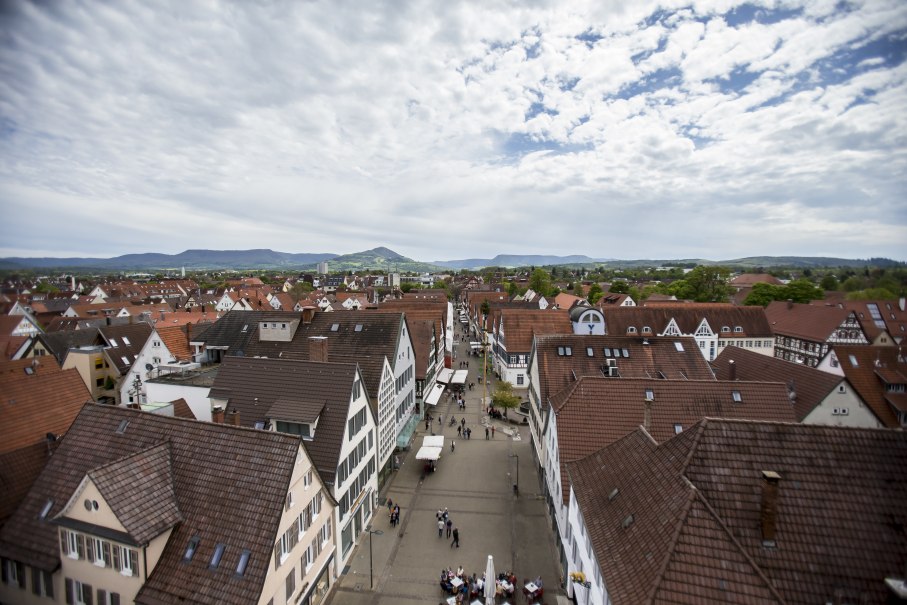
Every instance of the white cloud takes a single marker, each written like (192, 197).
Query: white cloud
(452, 130)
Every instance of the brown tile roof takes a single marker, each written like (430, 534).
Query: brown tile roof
(808, 385)
(661, 355)
(60, 342)
(890, 315)
(174, 338)
(520, 326)
(688, 316)
(181, 409)
(139, 490)
(291, 389)
(749, 279)
(656, 540)
(125, 341)
(18, 470)
(234, 499)
(809, 322)
(840, 513)
(421, 332)
(594, 412)
(860, 365)
(36, 400)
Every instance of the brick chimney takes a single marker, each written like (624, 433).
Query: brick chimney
(318, 348)
(732, 370)
(233, 417)
(189, 334)
(769, 509)
(217, 415)
(308, 314)
(647, 415)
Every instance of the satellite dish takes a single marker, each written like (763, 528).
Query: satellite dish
(149, 367)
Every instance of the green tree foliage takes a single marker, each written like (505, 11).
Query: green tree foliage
(486, 308)
(872, 294)
(829, 282)
(46, 287)
(300, 290)
(540, 281)
(619, 287)
(595, 293)
(703, 284)
(799, 291)
(512, 289)
(503, 397)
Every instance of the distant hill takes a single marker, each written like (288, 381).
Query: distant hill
(519, 260)
(382, 259)
(190, 259)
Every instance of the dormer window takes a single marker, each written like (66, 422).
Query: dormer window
(646, 329)
(725, 328)
(631, 330)
(738, 329)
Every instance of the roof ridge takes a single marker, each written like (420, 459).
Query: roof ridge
(653, 589)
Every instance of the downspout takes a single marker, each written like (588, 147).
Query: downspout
(145, 562)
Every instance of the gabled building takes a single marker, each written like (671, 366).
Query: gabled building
(40, 402)
(883, 321)
(165, 351)
(734, 511)
(559, 360)
(804, 333)
(379, 343)
(204, 525)
(713, 325)
(595, 411)
(326, 405)
(817, 397)
(514, 331)
(878, 375)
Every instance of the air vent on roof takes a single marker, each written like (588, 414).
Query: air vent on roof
(122, 428)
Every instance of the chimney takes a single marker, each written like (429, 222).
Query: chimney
(217, 415)
(647, 415)
(233, 417)
(308, 315)
(189, 334)
(902, 303)
(769, 510)
(731, 371)
(318, 348)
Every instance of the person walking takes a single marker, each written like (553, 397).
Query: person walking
(486, 433)
(456, 538)
(449, 526)
(459, 429)
(440, 527)
(453, 445)
(492, 431)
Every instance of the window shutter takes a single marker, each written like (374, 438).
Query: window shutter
(133, 562)
(63, 546)
(48, 584)
(277, 554)
(36, 580)
(106, 554)
(70, 591)
(89, 547)
(80, 545)
(114, 598)
(102, 596)
(20, 573)
(86, 593)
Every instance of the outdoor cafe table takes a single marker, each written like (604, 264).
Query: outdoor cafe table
(456, 582)
(531, 588)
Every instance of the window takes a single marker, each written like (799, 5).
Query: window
(626, 352)
(78, 593)
(73, 544)
(607, 352)
(520, 379)
(99, 382)
(631, 330)
(217, 556)
(679, 346)
(42, 583)
(568, 351)
(842, 388)
(13, 573)
(126, 341)
(590, 352)
(243, 562)
(113, 343)
(560, 351)
(853, 361)
(99, 552)
(307, 559)
(125, 360)
(735, 395)
(46, 509)
(291, 583)
(307, 480)
(108, 598)
(650, 395)
(646, 330)
(289, 500)
(191, 548)
(678, 428)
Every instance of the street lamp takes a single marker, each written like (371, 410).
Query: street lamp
(371, 532)
(516, 486)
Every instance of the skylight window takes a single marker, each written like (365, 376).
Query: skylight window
(46, 509)
(113, 343)
(125, 360)
(568, 351)
(122, 428)
(678, 428)
(358, 328)
(736, 396)
(243, 562)
(126, 341)
(245, 328)
(626, 352)
(650, 395)
(679, 346)
(335, 327)
(590, 352)
(853, 361)
(217, 556)
(191, 548)
(607, 352)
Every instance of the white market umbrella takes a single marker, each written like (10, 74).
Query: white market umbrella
(489, 581)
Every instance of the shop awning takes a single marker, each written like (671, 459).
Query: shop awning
(434, 395)
(475, 344)
(428, 453)
(433, 441)
(459, 377)
(445, 375)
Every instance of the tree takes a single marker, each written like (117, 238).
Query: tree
(540, 281)
(486, 308)
(503, 397)
(619, 287)
(300, 290)
(762, 294)
(829, 282)
(706, 284)
(595, 293)
(406, 286)
(512, 289)
(802, 291)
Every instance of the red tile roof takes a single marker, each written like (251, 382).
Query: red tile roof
(688, 317)
(809, 322)
(860, 365)
(696, 535)
(520, 326)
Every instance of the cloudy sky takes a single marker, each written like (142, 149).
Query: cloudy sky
(443, 130)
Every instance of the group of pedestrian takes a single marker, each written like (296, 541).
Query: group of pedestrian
(487, 431)
(464, 431)
(464, 364)
(394, 513)
(445, 522)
